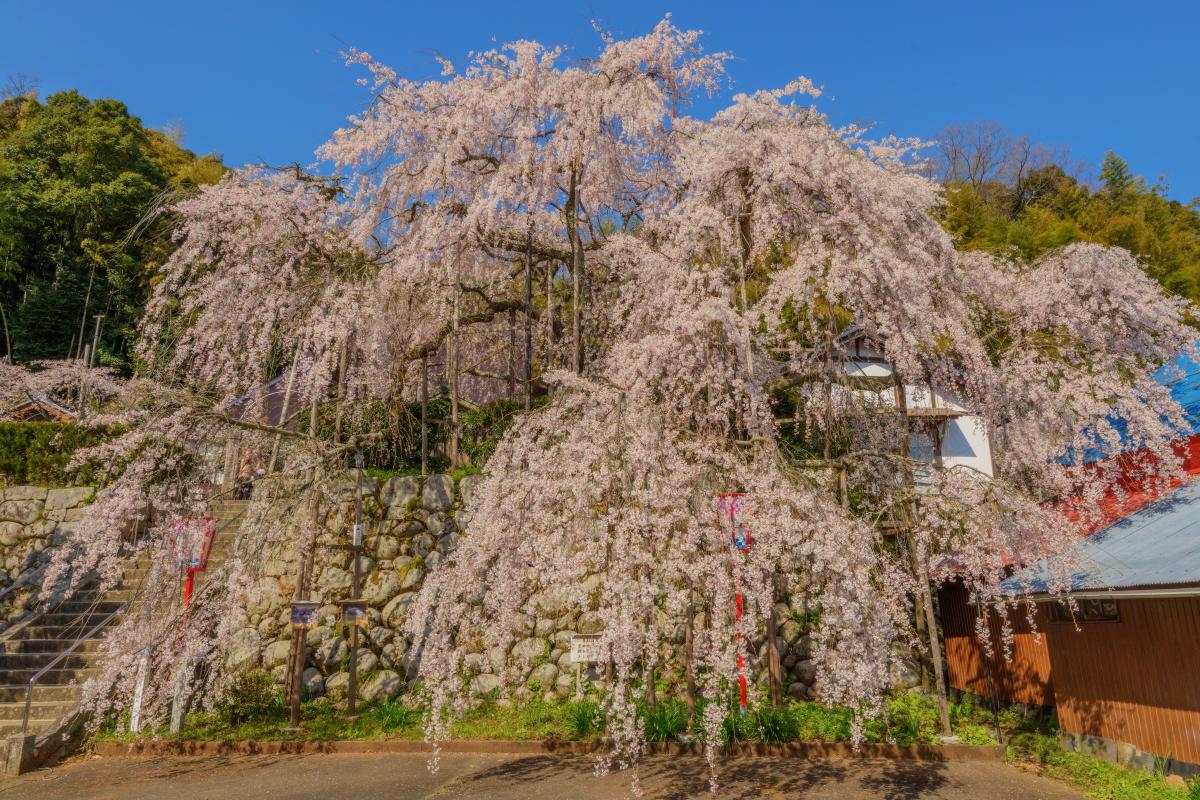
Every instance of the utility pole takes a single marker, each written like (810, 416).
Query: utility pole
(95, 340)
(7, 340)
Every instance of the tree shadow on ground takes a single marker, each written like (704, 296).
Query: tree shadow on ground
(737, 779)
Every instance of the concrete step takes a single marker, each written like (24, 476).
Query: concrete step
(75, 660)
(41, 692)
(66, 632)
(7, 728)
(38, 646)
(45, 709)
(74, 620)
(77, 607)
(52, 677)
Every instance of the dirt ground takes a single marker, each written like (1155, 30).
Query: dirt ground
(500, 777)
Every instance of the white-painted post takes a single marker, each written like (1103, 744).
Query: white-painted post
(177, 702)
(135, 716)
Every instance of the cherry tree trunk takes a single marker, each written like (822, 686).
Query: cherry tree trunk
(529, 319)
(452, 375)
(577, 268)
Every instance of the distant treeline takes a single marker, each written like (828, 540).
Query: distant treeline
(1005, 194)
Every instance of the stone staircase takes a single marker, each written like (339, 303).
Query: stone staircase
(32, 644)
(228, 514)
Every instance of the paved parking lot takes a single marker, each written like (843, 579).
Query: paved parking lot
(500, 777)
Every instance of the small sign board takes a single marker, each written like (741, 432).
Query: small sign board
(358, 533)
(354, 612)
(733, 506)
(304, 614)
(191, 540)
(586, 648)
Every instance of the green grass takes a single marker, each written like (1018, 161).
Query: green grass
(531, 720)
(256, 712)
(911, 719)
(1034, 743)
(321, 720)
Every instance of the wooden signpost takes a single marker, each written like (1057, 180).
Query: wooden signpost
(586, 648)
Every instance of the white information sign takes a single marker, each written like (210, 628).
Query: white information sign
(585, 648)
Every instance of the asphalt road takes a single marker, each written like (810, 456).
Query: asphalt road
(500, 777)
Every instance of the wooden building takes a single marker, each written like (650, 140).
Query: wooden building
(38, 409)
(1122, 669)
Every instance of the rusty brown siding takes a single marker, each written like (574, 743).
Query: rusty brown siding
(1022, 678)
(1136, 680)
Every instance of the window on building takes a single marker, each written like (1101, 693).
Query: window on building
(1091, 609)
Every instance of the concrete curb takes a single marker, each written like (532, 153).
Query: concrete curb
(815, 751)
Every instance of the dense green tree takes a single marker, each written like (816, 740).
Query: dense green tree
(1041, 209)
(78, 178)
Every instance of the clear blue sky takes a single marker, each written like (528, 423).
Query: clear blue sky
(262, 80)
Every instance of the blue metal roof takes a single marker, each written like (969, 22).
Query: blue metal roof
(1182, 376)
(1157, 545)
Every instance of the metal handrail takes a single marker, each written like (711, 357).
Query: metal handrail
(58, 658)
(85, 637)
(16, 584)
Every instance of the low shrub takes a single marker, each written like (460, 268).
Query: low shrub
(252, 695)
(38, 452)
(815, 722)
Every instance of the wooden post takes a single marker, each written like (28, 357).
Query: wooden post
(301, 593)
(648, 667)
(424, 414)
(920, 567)
(689, 655)
(774, 667)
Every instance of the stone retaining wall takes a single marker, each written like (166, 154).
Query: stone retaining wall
(33, 519)
(413, 524)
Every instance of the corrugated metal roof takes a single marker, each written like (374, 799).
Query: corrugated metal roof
(1157, 545)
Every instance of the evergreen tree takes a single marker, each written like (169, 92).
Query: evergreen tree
(1116, 175)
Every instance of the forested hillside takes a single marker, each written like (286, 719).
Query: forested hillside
(77, 179)
(1006, 195)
